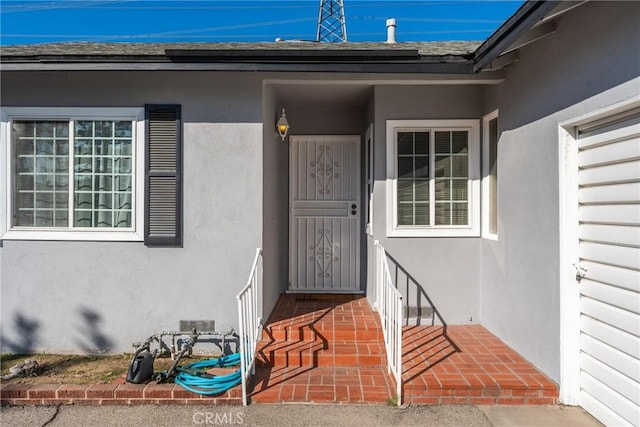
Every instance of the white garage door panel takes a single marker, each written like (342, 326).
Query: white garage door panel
(623, 172)
(609, 250)
(610, 153)
(618, 360)
(620, 319)
(611, 254)
(628, 130)
(611, 295)
(601, 411)
(610, 214)
(612, 234)
(620, 277)
(620, 340)
(616, 411)
(610, 193)
(627, 406)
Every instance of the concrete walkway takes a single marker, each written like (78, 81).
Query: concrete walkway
(281, 415)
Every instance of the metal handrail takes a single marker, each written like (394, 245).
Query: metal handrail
(388, 303)
(250, 322)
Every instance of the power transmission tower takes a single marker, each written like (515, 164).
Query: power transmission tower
(331, 24)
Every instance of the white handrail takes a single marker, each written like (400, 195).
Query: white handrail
(250, 322)
(388, 303)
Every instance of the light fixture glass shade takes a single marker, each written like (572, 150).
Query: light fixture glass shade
(283, 125)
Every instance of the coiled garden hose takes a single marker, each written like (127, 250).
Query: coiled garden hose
(194, 376)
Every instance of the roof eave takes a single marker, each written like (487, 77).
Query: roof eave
(526, 17)
(432, 65)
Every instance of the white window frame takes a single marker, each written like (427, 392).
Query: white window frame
(9, 114)
(471, 230)
(486, 191)
(369, 159)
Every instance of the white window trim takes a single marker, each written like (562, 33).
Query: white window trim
(8, 114)
(486, 199)
(369, 158)
(473, 229)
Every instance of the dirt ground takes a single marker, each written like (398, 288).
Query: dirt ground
(77, 369)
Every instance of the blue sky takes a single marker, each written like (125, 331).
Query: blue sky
(23, 21)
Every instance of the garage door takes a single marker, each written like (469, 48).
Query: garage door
(609, 248)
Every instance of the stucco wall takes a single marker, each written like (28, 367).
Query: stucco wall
(72, 296)
(589, 63)
(447, 270)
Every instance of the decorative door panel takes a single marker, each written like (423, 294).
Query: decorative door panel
(324, 223)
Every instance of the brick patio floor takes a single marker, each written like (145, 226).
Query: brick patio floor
(330, 349)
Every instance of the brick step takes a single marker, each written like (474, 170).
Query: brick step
(321, 353)
(307, 333)
(480, 396)
(479, 389)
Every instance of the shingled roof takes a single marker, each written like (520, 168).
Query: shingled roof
(77, 49)
(464, 57)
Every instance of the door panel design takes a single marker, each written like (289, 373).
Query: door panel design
(324, 243)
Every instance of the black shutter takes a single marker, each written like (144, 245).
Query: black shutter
(163, 176)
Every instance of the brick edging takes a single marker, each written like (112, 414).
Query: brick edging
(111, 394)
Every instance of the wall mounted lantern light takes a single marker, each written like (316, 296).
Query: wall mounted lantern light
(283, 125)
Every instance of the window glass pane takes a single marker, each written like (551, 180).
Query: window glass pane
(44, 182)
(26, 199)
(123, 129)
(443, 142)
(61, 218)
(25, 218)
(459, 167)
(103, 165)
(44, 129)
(405, 191)
(459, 142)
(61, 200)
(405, 143)
(83, 147)
(103, 218)
(44, 218)
(84, 200)
(103, 145)
(459, 189)
(44, 147)
(35, 165)
(443, 214)
(82, 218)
(405, 213)
(122, 201)
(24, 146)
(405, 167)
(422, 167)
(103, 200)
(422, 191)
(122, 165)
(122, 147)
(451, 178)
(413, 176)
(459, 214)
(103, 183)
(25, 182)
(122, 219)
(421, 214)
(422, 142)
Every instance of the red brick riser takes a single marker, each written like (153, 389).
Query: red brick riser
(111, 394)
